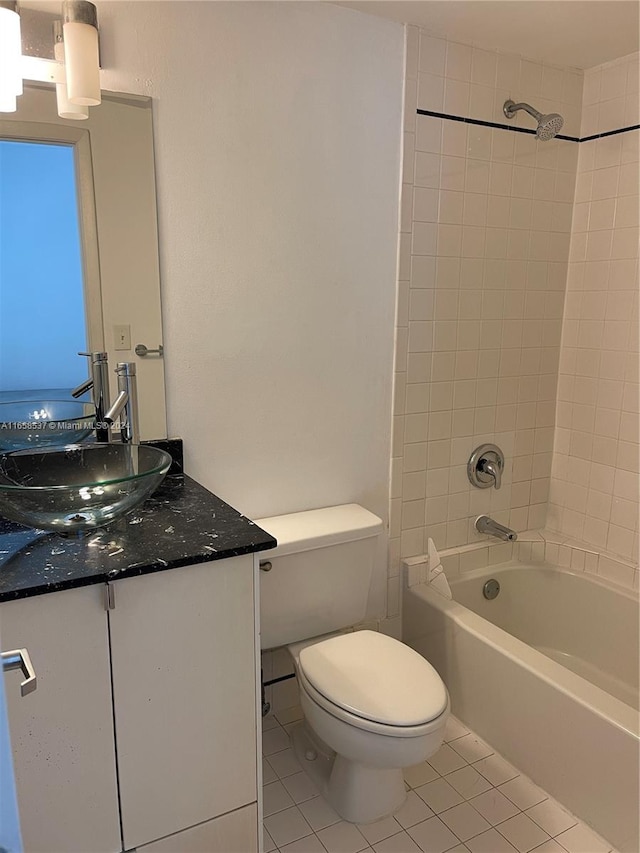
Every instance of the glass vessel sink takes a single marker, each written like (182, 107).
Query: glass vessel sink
(44, 423)
(78, 487)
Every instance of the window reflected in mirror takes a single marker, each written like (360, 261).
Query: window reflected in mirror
(42, 307)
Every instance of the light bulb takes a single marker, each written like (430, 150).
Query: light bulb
(66, 109)
(81, 56)
(10, 59)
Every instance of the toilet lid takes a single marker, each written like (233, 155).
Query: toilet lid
(375, 677)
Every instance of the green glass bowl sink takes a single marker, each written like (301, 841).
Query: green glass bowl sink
(44, 423)
(78, 487)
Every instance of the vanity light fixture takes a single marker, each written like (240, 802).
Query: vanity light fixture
(75, 69)
(10, 56)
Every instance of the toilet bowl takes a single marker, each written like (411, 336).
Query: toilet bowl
(372, 706)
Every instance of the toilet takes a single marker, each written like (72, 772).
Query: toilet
(371, 705)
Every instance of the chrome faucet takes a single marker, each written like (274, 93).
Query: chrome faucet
(99, 385)
(125, 406)
(493, 469)
(487, 525)
(485, 466)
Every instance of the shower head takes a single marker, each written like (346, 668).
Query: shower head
(548, 125)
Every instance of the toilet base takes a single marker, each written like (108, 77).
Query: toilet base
(360, 794)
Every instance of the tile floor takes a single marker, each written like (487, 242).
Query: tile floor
(465, 799)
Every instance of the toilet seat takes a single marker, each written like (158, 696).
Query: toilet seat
(374, 682)
(369, 725)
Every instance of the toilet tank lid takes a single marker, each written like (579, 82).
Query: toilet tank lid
(319, 528)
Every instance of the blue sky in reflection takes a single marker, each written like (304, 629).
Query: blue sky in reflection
(42, 319)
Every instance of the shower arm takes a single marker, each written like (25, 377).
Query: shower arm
(510, 109)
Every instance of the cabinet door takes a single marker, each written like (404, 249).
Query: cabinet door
(236, 832)
(62, 733)
(183, 664)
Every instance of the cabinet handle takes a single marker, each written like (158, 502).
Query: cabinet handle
(19, 659)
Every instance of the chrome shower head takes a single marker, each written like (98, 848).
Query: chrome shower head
(548, 125)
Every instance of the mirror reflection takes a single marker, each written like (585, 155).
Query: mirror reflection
(42, 306)
(79, 266)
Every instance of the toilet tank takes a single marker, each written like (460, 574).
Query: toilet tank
(321, 569)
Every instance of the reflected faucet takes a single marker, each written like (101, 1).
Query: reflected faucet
(125, 406)
(487, 525)
(99, 385)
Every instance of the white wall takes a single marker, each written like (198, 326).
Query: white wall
(277, 134)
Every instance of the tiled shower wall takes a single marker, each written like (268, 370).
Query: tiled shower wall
(484, 248)
(594, 487)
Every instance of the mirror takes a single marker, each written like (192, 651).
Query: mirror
(110, 156)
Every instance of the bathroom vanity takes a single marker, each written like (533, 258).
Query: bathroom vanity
(142, 732)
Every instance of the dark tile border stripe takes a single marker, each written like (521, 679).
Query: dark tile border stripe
(496, 124)
(610, 133)
(500, 126)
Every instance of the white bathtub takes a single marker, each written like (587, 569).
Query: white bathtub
(547, 672)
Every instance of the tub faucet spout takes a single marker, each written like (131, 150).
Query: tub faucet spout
(487, 525)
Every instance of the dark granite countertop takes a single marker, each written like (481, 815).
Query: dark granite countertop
(181, 524)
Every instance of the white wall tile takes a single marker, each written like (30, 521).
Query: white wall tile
(494, 352)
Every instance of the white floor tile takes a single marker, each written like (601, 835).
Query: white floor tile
(464, 821)
(420, 774)
(523, 833)
(343, 837)
(432, 836)
(299, 820)
(300, 787)
(380, 830)
(274, 740)
(400, 843)
(494, 806)
(471, 748)
(309, 844)
(439, 795)
(446, 760)
(275, 798)
(289, 715)
(551, 817)
(268, 842)
(580, 839)
(496, 769)
(269, 722)
(454, 729)
(414, 810)
(523, 792)
(285, 763)
(490, 842)
(319, 813)
(268, 773)
(550, 846)
(468, 782)
(287, 826)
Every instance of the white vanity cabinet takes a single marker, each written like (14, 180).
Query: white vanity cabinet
(172, 666)
(62, 733)
(183, 657)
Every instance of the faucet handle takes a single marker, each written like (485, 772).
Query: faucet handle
(493, 469)
(485, 466)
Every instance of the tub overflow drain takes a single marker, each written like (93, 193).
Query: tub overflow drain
(491, 589)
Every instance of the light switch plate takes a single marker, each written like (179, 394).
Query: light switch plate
(121, 337)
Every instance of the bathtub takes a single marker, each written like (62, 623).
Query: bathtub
(547, 672)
